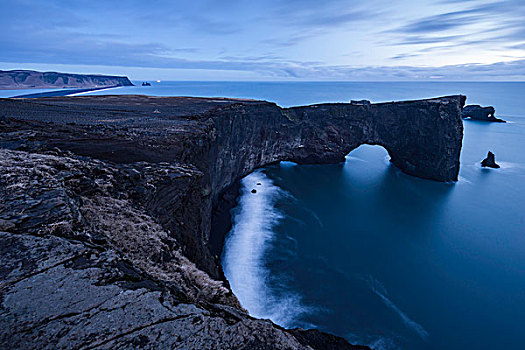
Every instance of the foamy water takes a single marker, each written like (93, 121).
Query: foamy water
(244, 249)
(379, 289)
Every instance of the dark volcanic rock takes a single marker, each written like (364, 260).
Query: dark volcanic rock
(318, 340)
(90, 268)
(107, 209)
(490, 161)
(25, 79)
(360, 102)
(476, 112)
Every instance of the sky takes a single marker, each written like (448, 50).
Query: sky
(274, 40)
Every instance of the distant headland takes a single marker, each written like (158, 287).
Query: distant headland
(28, 79)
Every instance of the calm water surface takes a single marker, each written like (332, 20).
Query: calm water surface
(363, 251)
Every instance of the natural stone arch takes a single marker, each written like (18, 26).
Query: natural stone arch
(423, 138)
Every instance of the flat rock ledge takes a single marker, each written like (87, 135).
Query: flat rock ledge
(107, 209)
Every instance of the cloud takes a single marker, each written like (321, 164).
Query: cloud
(290, 40)
(28, 16)
(503, 71)
(441, 22)
(473, 26)
(302, 20)
(325, 19)
(488, 17)
(520, 46)
(152, 55)
(264, 37)
(403, 56)
(421, 39)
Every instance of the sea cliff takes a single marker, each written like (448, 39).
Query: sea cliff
(109, 210)
(28, 79)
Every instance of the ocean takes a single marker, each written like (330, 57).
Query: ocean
(361, 250)
(366, 252)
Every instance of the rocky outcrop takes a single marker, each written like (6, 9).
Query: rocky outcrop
(27, 79)
(490, 161)
(476, 112)
(108, 209)
(84, 266)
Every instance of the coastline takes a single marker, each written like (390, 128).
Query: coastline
(64, 92)
(30, 79)
(114, 166)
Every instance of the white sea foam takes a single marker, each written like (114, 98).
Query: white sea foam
(287, 164)
(87, 92)
(243, 257)
(509, 165)
(315, 216)
(349, 157)
(380, 290)
(462, 179)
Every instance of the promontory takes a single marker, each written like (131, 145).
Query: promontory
(112, 209)
(28, 79)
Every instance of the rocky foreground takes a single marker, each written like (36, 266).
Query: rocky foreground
(28, 79)
(112, 210)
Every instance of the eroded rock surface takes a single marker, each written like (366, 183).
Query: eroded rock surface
(490, 161)
(107, 208)
(25, 79)
(84, 266)
(476, 112)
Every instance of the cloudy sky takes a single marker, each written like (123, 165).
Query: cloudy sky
(268, 39)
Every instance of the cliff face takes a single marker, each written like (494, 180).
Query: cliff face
(107, 209)
(25, 79)
(423, 138)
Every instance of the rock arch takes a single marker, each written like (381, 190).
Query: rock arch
(423, 138)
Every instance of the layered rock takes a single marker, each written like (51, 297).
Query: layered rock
(107, 211)
(476, 112)
(26, 79)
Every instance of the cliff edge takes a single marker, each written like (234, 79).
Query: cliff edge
(108, 208)
(28, 79)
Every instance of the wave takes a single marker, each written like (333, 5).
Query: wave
(243, 258)
(349, 157)
(508, 165)
(379, 289)
(462, 179)
(90, 91)
(375, 342)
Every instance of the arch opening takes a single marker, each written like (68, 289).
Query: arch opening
(369, 153)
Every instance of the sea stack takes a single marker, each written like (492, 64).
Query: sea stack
(477, 112)
(490, 161)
